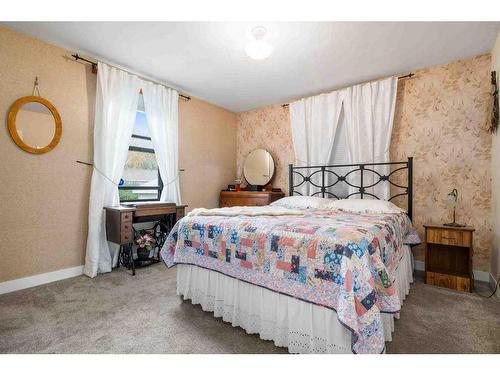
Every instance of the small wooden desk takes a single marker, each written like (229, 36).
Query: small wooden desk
(119, 227)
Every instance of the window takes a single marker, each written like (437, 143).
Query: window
(141, 179)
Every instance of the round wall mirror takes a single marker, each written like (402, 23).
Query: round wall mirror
(258, 168)
(34, 124)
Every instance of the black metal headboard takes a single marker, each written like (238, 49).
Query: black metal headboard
(327, 172)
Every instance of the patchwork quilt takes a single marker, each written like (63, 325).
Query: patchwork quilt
(339, 260)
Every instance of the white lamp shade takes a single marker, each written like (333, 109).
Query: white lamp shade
(452, 198)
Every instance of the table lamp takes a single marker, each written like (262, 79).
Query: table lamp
(452, 199)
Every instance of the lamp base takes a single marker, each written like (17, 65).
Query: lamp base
(456, 225)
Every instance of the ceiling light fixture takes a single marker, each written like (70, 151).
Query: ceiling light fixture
(258, 48)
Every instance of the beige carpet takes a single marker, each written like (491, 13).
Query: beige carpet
(118, 313)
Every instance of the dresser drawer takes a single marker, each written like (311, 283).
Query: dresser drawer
(449, 237)
(260, 203)
(248, 198)
(231, 202)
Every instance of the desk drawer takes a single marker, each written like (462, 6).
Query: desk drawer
(126, 227)
(126, 217)
(449, 237)
(126, 238)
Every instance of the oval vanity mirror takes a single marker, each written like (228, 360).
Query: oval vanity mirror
(34, 124)
(258, 168)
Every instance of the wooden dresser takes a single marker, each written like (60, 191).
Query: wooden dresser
(248, 198)
(448, 256)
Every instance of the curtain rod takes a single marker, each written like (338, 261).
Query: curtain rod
(94, 70)
(409, 75)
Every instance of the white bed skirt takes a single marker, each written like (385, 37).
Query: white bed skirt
(300, 326)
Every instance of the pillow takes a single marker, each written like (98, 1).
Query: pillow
(300, 202)
(368, 206)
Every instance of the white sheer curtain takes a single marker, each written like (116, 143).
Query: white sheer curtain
(314, 123)
(116, 106)
(369, 111)
(161, 107)
(339, 156)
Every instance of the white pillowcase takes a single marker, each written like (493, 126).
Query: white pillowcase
(371, 206)
(300, 202)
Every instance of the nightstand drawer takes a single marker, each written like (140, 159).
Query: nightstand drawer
(449, 237)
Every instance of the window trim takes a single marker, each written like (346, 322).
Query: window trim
(158, 188)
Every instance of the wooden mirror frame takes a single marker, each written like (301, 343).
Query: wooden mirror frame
(11, 124)
(270, 177)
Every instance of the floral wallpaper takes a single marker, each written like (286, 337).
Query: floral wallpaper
(441, 120)
(267, 128)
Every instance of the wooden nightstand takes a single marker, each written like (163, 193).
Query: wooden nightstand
(448, 256)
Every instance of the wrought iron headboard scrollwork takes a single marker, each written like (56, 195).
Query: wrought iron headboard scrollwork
(331, 175)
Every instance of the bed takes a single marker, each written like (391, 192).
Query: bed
(309, 276)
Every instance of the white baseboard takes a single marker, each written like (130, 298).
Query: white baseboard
(478, 275)
(419, 265)
(43, 278)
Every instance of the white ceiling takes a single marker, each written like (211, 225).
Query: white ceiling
(207, 59)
